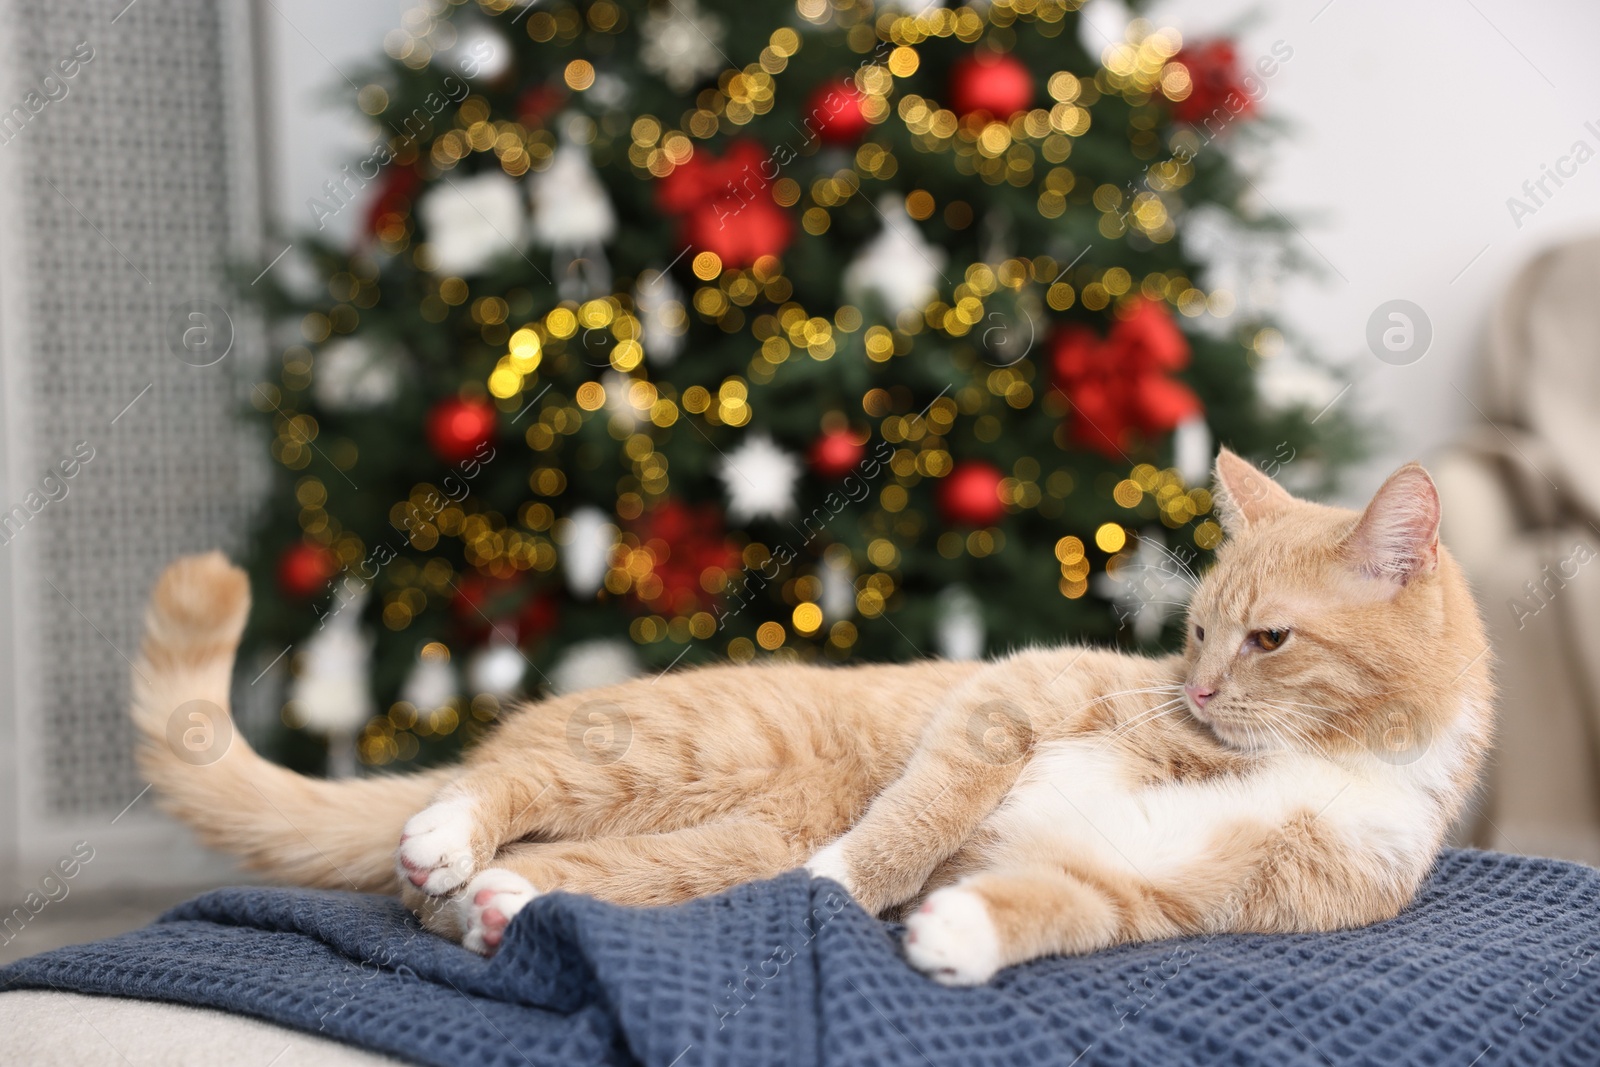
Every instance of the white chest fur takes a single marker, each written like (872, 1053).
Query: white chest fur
(1083, 797)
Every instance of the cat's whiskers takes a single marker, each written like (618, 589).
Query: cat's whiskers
(1302, 704)
(1185, 573)
(1298, 730)
(1315, 743)
(1306, 716)
(1273, 737)
(1127, 692)
(1154, 690)
(1123, 729)
(1285, 735)
(1130, 571)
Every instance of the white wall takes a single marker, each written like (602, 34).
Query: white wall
(313, 126)
(1412, 125)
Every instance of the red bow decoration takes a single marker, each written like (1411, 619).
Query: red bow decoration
(726, 204)
(1120, 385)
(684, 541)
(1216, 86)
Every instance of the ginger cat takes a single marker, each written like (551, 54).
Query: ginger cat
(1296, 768)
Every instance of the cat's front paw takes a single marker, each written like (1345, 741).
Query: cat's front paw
(488, 904)
(436, 852)
(951, 938)
(830, 863)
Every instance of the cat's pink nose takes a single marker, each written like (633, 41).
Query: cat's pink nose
(1199, 694)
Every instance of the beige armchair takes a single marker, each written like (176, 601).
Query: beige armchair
(1522, 514)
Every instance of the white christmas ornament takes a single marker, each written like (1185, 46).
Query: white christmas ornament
(1191, 450)
(838, 597)
(681, 44)
(1287, 382)
(586, 539)
(573, 217)
(1101, 24)
(609, 91)
(1239, 260)
(589, 664)
(570, 206)
(898, 266)
(470, 222)
(480, 52)
(432, 682)
(496, 670)
(907, 7)
(759, 478)
(1148, 588)
(349, 375)
(960, 631)
(662, 314)
(329, 690)
(617, 403)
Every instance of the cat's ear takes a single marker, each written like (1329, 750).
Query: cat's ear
(1244, 493)
(1397, 537)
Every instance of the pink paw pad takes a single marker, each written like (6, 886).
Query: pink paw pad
(489, 905)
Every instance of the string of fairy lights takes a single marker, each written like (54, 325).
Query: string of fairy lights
(1031, 149)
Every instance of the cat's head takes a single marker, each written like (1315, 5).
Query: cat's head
(1324, 629)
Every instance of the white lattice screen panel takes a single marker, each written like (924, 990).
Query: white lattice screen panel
(125, 198)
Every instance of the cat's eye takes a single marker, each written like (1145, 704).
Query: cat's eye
(1199, 633)
(1270, 640)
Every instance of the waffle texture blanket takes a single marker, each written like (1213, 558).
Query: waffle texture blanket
(1494, 963)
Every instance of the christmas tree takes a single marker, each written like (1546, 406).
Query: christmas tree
(693, 331)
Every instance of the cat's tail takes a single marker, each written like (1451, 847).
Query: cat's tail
(307, 831)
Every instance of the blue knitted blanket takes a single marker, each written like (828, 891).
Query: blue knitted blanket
(1494, 963)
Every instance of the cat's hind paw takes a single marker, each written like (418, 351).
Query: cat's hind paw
(951, 938)
(488, 904)
(436, 853)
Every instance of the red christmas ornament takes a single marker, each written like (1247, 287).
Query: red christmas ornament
(725, 205)
(1120, 386)
(1216, 86)
(395, 192)
(304, 570)
(473, 593)
(537, 618)
(970, 494)
(996, 83)
(837, 453)
(520, 613)
(458, 428)
(478, 599)
(539, 103)
(835, 112)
